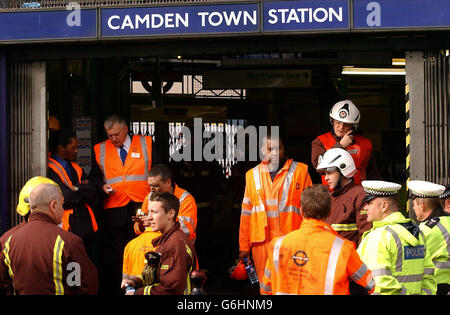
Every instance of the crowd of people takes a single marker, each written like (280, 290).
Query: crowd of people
(346, 235)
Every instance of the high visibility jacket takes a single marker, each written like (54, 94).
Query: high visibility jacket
(400, 262)
(314, 260)
(271, 209)
(134, 253)
(61, 172)
(437, 234)
(130, 180)
(187, 215)
(360, 151)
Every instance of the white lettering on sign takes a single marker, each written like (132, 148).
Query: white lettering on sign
(229, 18)
(148, 21)
(305, 15)
(374, 17)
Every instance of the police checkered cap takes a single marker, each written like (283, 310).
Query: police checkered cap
(423, 189)
(379, 188)
(446, 193)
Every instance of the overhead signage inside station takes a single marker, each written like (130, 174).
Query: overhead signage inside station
(42, 25)
(383, 14)
(196, 19)
(305, 15)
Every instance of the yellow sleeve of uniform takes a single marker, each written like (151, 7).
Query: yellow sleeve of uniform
(379, 252)
(429, 284)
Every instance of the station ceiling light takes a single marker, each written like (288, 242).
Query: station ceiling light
(350, 70)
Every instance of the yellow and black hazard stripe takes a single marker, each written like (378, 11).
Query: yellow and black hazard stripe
(408, 137)
(7, 260)
(57, 266)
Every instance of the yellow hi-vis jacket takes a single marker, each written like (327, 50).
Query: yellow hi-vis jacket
(400, 262)
(437, 234)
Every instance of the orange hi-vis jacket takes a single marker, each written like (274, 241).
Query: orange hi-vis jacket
(314, 260)
(360, 150)
(129, 181)
(271, 209)
(187, 215)
(134, 253)
(59, 169)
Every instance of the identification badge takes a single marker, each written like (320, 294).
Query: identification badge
(135, 155)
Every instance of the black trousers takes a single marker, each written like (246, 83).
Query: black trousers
(118, 231)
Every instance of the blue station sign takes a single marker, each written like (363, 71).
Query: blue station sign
(48, 25)
(398, 14)
(194, 19)
(305, 15)
(257, 17)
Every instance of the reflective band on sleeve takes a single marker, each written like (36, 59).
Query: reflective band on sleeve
(442, 264)
(184, 228)
(381, 272)
(57, 266)
(267, 288)
(445, 235)
(398, 242)
(267, 273)
(61, 171)
(183, 196)
(332, 263)
(358, 274)
(344, 227)
(7, 260)
(246, 212)
(246, 200)
(276, 253)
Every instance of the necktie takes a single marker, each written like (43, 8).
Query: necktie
(123, 155)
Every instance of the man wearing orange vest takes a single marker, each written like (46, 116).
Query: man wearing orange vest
(344, 118)
(161, 180)
(271, 203)
(79, 194)
(314, 260)
(121, 170)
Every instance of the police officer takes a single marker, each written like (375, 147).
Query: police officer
(394, 249)
(445, 199)
(435, 224)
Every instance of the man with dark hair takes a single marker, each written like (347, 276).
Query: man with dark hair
(177, 254)
(314, 259)
(79, 194)
(160, 179)
(271, 203)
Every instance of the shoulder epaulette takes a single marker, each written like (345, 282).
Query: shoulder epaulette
(432, 222)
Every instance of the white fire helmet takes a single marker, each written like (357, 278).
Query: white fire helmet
(337, 158)
(346, 112)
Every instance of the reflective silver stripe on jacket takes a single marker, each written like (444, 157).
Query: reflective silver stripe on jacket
(332, 264)
(128, 178)
(287, 185)
(446, 264)
(183, 196)
(276, 253)
(398, 242)
(61, 170)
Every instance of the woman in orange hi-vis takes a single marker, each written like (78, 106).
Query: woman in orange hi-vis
(314, 260)
(271, 204)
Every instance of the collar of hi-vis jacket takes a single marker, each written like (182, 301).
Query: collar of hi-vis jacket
(286, 184)
(115, 180)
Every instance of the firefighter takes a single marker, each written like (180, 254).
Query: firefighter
(394, 249)
(271, 203)
(347, 216)
(42, 259)
(344, 119)
(314, 259)
(435, 224)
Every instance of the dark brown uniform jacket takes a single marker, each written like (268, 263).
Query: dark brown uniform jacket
(36, 260)
(178, 259)
(346, 208)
